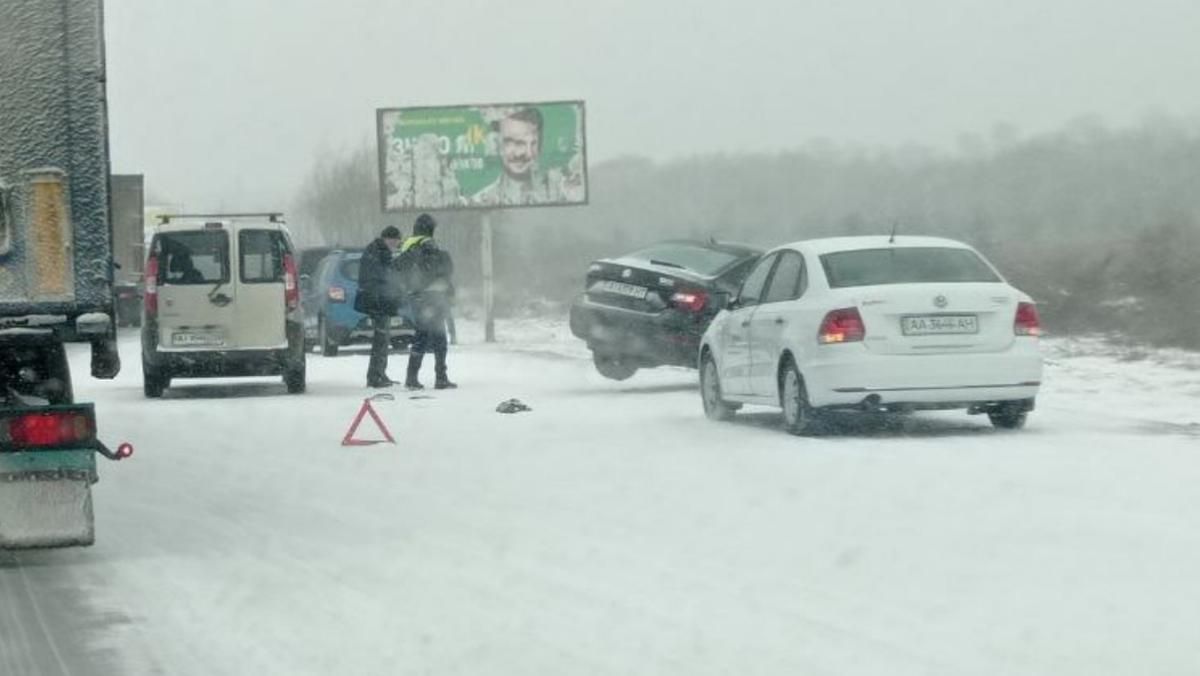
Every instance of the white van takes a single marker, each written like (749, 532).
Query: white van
(222, 299)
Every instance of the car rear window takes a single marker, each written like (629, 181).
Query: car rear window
(193, 257)
(905, 265)
(689, 256)
(349, 269)
(260, 256)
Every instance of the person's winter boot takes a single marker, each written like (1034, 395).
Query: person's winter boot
(439, 367)
(414, 368)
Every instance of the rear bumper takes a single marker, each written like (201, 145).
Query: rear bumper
(670, 337)
(362, 331)
(219, 363)
(848, 375)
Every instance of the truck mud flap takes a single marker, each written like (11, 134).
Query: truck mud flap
(46, 499)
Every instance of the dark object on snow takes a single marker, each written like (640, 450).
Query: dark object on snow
(512, 406)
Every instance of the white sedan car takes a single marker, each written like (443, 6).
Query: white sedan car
(874, 324)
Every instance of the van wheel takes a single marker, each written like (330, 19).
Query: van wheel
(1007, 419)
(798, 416)
(715, 406)
(329, 347)
(295, 379)
(154, 382)
(614, 367)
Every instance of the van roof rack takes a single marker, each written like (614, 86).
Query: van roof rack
(274, 216)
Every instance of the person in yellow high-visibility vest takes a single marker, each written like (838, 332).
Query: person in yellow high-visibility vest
(427, 273)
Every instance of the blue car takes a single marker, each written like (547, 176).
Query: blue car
(330, 319)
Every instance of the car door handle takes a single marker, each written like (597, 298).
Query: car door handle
(745, 323)
(780, 321)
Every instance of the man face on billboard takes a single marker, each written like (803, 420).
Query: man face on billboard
(520, 138)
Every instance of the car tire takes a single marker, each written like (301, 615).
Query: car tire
(798, 416)
(154, 382)
(329, 347)
(715, 406)
(1008, 419)
(614, 367)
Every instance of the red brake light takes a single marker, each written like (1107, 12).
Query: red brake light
(842, 326)
(1027, 322)
(56, 428)
(150, 298)
(337, 294)
(291, 286)
(692, 301)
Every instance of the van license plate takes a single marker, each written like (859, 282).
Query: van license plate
(197, 339)
(939, 325)
(621, 289)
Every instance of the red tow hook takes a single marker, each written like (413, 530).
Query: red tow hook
(123, 451)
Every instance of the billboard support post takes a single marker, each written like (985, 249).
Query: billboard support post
(489, 289)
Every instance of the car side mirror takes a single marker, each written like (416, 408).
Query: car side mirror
(726, 301)
(305, 283)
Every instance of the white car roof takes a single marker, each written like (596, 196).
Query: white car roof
(826, 245)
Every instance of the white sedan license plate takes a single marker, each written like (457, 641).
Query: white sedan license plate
(622, 289)
(192, 339)
(939, 325)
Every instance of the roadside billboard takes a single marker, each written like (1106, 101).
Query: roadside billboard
(482, 157)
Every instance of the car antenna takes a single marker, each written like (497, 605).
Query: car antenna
(895, 226)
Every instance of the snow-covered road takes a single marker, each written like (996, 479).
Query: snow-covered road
(614, 530)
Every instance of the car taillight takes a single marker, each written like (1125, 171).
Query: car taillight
(291, 286)
(337, 294)
(692, 301)
(47, 429)
(1027, 322)
(842, 326)
(150, 299)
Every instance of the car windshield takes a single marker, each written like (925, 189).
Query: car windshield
(692, 257)
(905, 265)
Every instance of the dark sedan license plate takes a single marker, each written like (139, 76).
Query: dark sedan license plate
(622, 289)
(939, 325)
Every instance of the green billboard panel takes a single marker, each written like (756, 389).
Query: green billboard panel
(482, 157)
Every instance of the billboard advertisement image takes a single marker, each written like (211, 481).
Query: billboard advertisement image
(482, 157)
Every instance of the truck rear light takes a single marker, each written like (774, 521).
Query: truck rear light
(291, 286)
(47, 429)
(842, 326)
(1027, 322)
(692, 301)
(337, 294)
(150, 297)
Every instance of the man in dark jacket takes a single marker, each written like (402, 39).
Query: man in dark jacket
(374, 301)
(428, 271)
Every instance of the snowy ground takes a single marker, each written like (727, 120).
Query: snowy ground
(614, 530)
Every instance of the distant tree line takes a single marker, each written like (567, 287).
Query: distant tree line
(1100, 225)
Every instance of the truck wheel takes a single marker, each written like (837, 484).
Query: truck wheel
(614, 367)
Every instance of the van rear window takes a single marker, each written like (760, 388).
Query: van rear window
(905, 265)
(260, 256)
(200, 257)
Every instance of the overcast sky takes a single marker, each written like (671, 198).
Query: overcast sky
(228, 103)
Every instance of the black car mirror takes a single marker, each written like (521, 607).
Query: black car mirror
(306, 283)
(725, 300)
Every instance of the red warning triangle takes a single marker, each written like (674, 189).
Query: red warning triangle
(366, 409)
